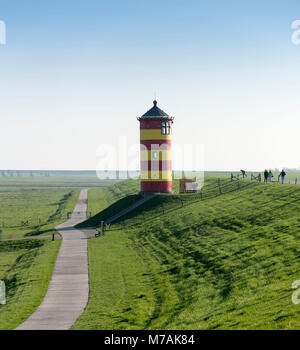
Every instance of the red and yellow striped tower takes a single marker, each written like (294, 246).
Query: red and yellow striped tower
(156, 150)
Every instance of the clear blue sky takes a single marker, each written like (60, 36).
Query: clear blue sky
(76, 74)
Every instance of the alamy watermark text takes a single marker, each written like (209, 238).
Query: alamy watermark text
(296, 34)
(2, 33)
(2, 293)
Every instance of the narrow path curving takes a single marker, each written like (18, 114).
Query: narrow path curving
(68, 290)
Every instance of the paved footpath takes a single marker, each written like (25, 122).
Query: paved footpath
(68, 289)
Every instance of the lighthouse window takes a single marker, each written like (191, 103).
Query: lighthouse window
(165, 128)
(155, 155)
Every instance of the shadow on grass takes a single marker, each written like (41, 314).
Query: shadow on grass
(109, 211)
(38, 233)
(11, 246)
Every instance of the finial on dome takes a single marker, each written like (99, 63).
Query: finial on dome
(155, 102)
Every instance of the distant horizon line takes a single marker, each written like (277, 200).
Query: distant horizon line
(106, 171)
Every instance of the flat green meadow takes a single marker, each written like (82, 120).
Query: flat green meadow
(30, 207)
(35, 205)
(26, 212)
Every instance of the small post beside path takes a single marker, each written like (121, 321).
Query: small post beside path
(102, 228)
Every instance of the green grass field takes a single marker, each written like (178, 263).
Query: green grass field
(227, 261)
(34, 211)
(26, 267)
(224, 258)
(33, 206)
(59, 179)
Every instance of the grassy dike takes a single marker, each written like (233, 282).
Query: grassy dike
(224, 262)
(121, 293)
(26, 268)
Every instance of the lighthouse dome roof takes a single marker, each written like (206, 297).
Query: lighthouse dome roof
(155, 112)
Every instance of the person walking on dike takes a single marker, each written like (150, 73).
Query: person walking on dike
(282, 175)
(243, 173)
(259, 177)
(266, 175)
(270, 175)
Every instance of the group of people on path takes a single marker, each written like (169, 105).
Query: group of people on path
(268, 175)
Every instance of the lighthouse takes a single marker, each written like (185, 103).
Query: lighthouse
(156, 150)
